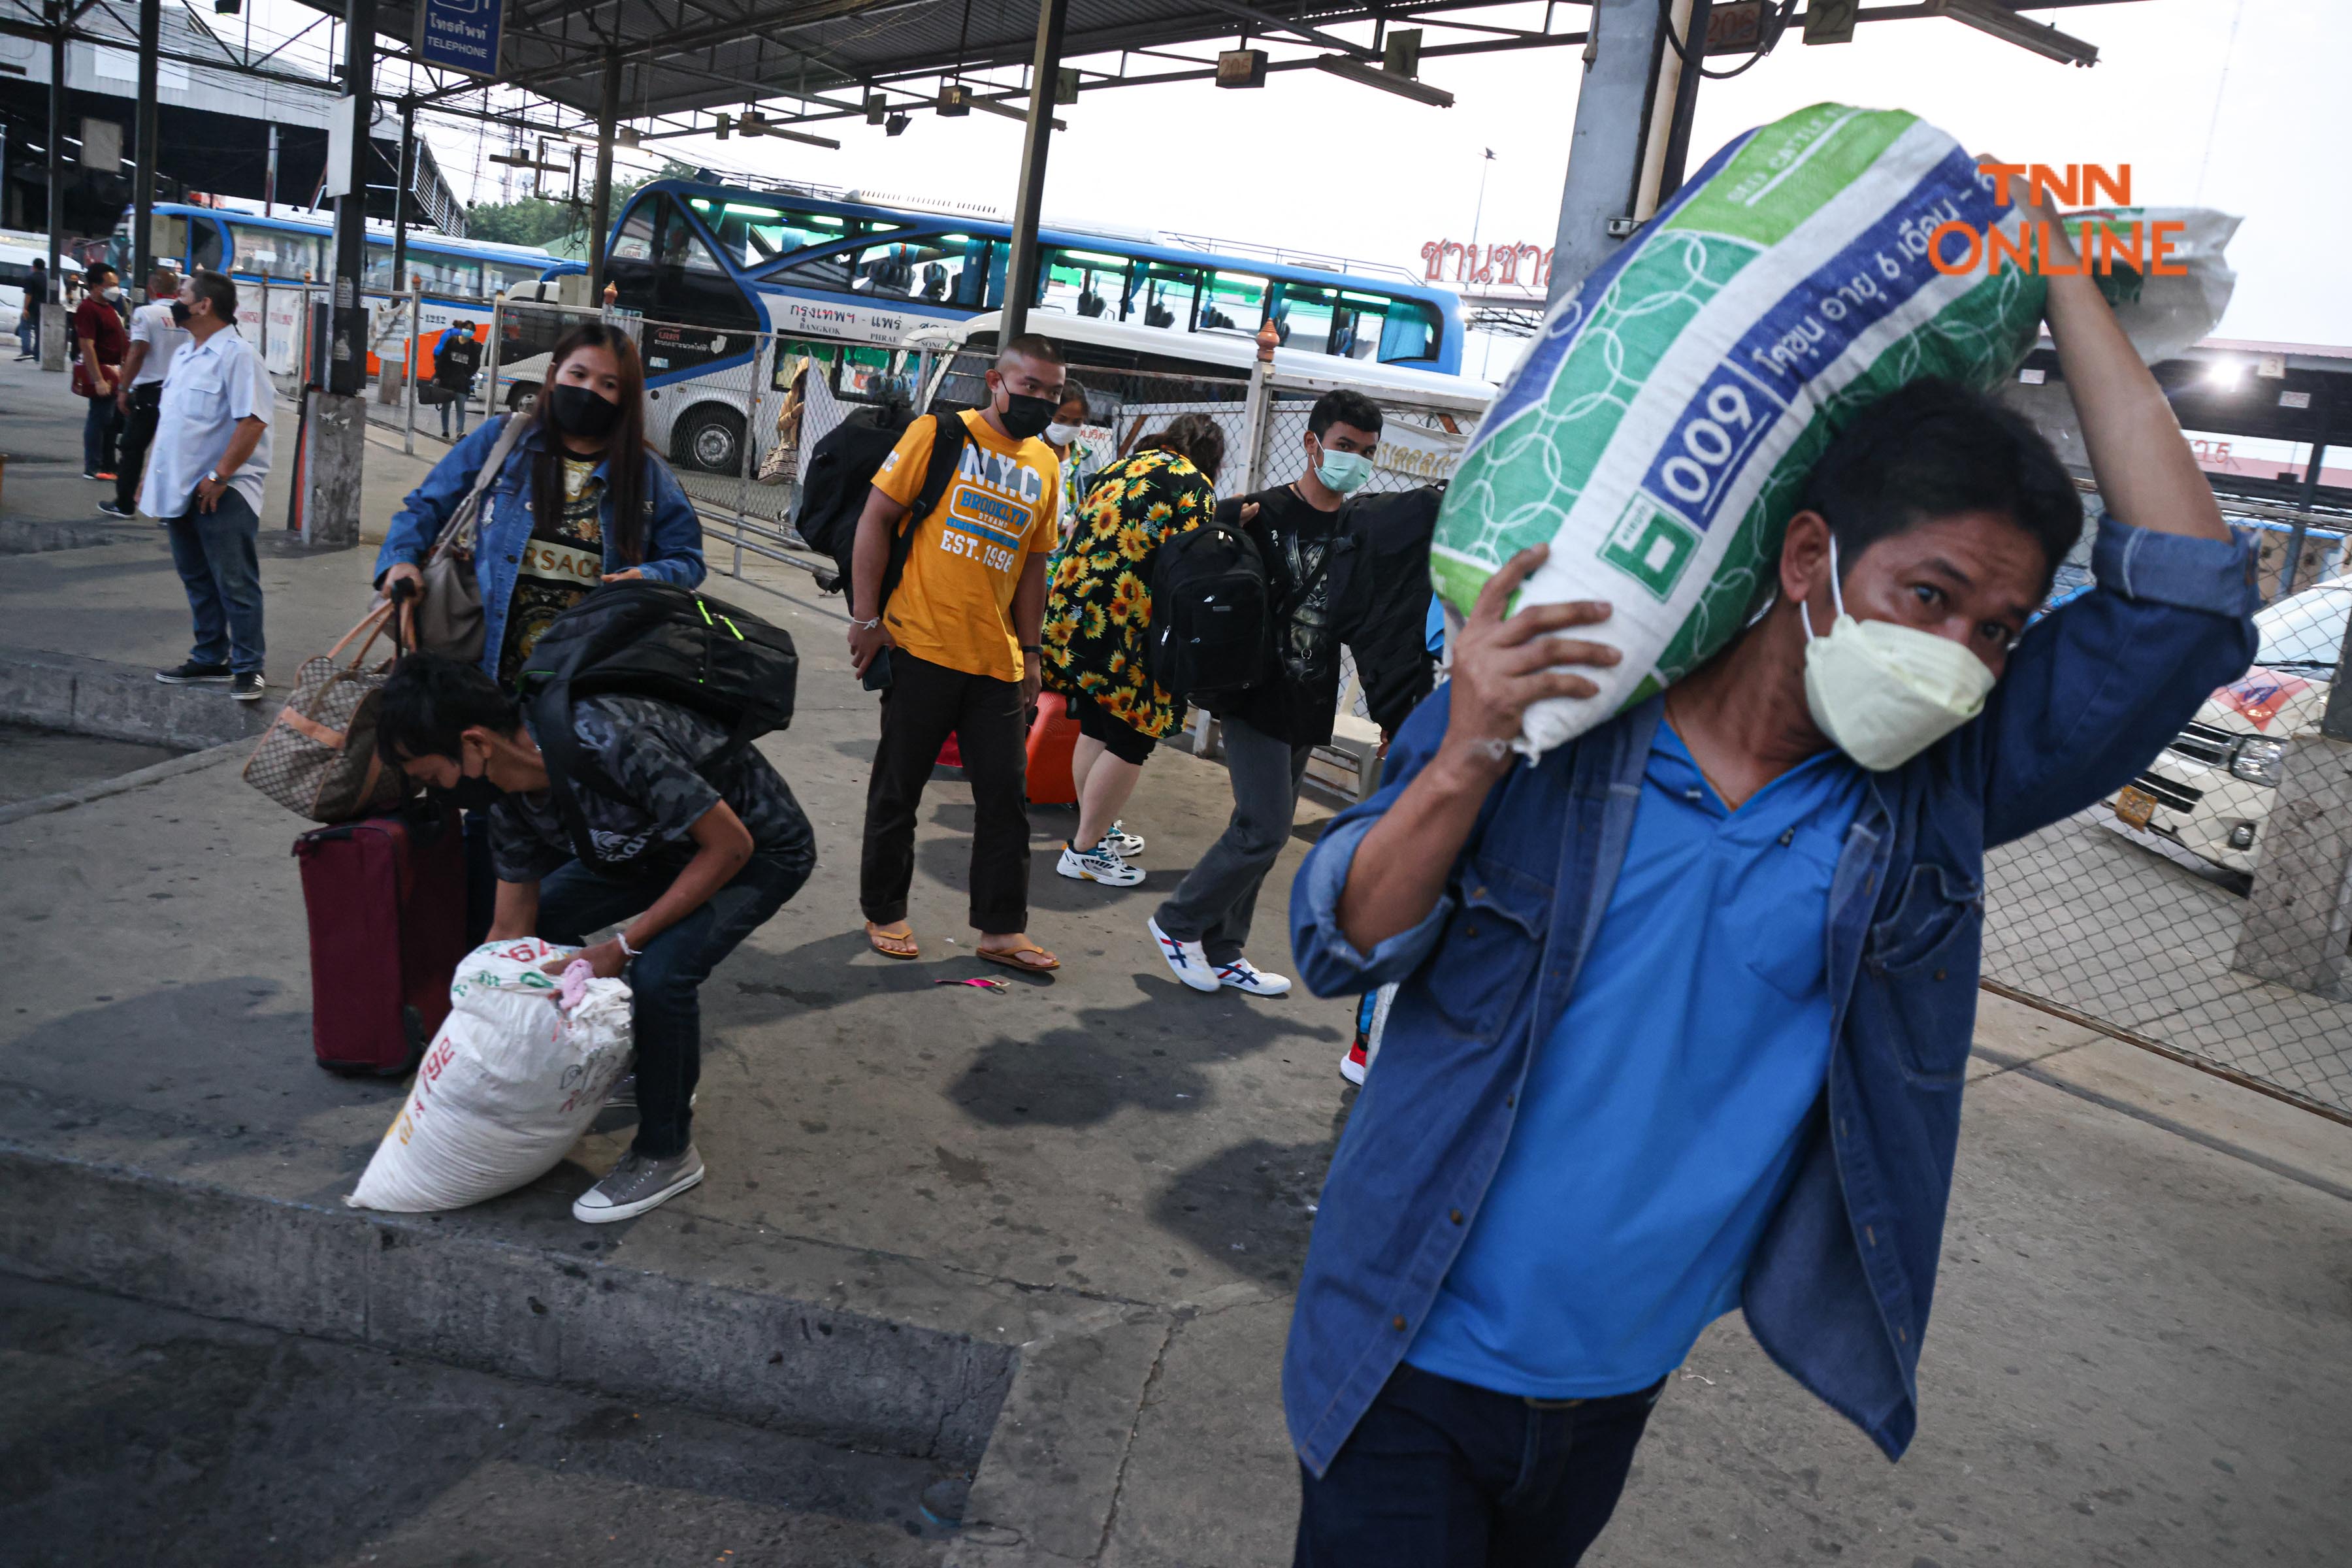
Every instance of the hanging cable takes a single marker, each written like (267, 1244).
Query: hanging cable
(1768, 38)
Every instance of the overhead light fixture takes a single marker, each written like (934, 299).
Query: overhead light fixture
(1992, 16)
(896, 125)
(2224, 374)
(1241, 67)
(1372, 76)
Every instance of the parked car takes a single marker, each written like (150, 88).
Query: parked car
(2211, 789)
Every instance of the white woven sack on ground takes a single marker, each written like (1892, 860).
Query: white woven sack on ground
(510, 1084)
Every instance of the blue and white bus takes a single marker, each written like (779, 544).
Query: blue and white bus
(712, 266)
(459, 277)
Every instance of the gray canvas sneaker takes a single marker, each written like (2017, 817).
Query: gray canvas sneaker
(636, 1185)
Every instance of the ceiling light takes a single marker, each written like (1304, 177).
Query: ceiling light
(2226, 374)
(1998, 19)
(895, 125)
(1372, 76)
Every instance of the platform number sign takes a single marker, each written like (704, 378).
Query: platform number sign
(1830, 21)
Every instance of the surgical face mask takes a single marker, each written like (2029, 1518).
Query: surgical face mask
(1024, 415)
(111, 292)
(1342, 473)
(1061, 435)
(1884, 692)
(580, 411)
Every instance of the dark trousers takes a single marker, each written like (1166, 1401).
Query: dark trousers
(221, 570)
(666, 978)
(1441, 1474)
(138, 434)
(924, 704)
(1218, 897)
(98, 428)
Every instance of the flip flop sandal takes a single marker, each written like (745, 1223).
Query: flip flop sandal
(1015, 958)
(875, 938)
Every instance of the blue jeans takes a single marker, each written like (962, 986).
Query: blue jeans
(666, 978)
(455, 405)
(215, 553)
(1441, 1474)
(99, 427)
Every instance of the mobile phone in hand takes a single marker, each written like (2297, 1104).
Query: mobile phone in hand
(877, 670)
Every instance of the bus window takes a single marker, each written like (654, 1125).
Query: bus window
(204, 246)
(1302, 314)
(1081, 283)
(506, 276)
(753, 235)
(939, 269)
(378, 274)
(460, 276)
(1411, 332)
(1235, 302)
(635, 240)
(276, 252)
(1164, 295)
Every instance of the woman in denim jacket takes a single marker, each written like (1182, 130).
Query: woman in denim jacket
(580, 501)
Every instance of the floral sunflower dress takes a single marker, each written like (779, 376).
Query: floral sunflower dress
(1099, 604)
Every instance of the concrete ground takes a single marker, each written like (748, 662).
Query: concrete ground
(2142, 1351)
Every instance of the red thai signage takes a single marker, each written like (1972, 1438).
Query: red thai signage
(1506, 266)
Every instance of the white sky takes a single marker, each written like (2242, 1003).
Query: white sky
(2237, 104)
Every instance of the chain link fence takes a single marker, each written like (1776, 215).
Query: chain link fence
(2201, 911)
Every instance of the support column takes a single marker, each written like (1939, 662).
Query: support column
(142, 180)
(600, 206)
(335, 434)
(1603, 192)
(1045, 85)
(53, 310)
(403, 198)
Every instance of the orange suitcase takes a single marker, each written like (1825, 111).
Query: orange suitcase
(1051, 739)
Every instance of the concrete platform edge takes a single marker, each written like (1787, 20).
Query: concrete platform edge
(121, 702)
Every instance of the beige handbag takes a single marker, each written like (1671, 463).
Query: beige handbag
(448, 619)
(318, 759)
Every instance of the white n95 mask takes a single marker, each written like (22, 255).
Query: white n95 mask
(1884, 692)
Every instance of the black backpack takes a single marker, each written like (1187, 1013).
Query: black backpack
(657, 640)
(841, 475)
(1209, 612)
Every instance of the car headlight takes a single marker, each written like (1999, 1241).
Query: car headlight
(2257, 760)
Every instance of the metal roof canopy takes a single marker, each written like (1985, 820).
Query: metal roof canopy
(676, 57)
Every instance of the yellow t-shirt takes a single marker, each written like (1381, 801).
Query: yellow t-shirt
(954, 605)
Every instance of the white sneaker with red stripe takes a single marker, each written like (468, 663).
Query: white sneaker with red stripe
(1185, 959)
(1242, 975)
(1355, 1064)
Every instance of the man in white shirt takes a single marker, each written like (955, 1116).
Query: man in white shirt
(155, 334)
(204, 475)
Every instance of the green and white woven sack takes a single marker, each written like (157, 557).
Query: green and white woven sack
(1659, 431)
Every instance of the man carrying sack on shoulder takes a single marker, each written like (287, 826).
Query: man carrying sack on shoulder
(956, 651)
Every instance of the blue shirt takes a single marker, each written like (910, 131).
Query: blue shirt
(1660, 1118)
(1838, 1287)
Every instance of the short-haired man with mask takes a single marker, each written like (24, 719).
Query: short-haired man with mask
(1686, 1007)
(1317, 597)
(204, 477)
(956, 647)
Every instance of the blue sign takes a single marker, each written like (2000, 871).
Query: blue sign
(460, 35)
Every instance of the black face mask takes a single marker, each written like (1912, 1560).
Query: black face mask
(179, 313)
(1025, 416)
(472, 795)
(579, 412)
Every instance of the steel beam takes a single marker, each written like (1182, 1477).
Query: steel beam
(402, 197)
(346, 355)
(1021, 274)
(1614, 108)
(600, 206)
(143, 181)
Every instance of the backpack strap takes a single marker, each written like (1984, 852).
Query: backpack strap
(458, 534)
(948, 438)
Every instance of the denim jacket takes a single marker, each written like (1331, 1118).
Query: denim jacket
(1838, 1289)
(673, 533)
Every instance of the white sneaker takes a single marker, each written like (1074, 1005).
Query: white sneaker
(1100, 864)
(1185, 959)
(636, 1185)
(1356, 1063)
(1126, 845)
(1244, 976)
